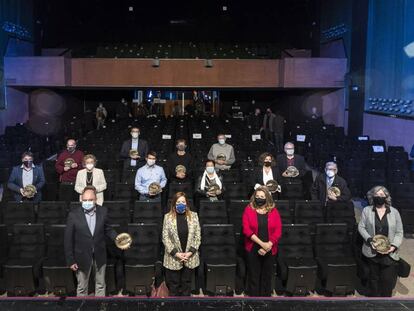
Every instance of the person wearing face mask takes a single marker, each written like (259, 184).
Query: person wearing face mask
(135, 143)
(269, 125)
(85, 242)
(101, 115)
(147, 175)
(290, 158)
(256, 121)
(330, 179)
(67, 174)
(26, 174)
(180, 157)
(267, 171)
(181, 236)
(221, 148)
(91, 176)
(381, 218)
(262, 229)
(207, 180)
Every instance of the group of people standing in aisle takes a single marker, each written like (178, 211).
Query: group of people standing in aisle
(262, 226)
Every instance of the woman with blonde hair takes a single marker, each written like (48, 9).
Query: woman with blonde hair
(262, 229)
(380, 218)
(181, 235)
(91, 176)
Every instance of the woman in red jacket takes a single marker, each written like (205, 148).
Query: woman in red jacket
(262, 228)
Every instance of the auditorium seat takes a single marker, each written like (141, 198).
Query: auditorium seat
(51, 213)
(118, 212)
(58, 278)
(4, 249)
(333, 252)
(128, 176)
(142, 261)
(67, 193)
(26, 253)
(235, 211)
(292, 189)
(235, 190)
(213, 212)
(50, 191)
(185, 187)
(220, 271)
(309, 212)
(297, 268)
(341, 212)
(148, 212)
(114, 273)
(125, 192)
(286, 210)
(403, 198)
(18, 213)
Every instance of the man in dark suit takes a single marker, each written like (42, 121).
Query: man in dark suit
(289, 158)
(85, 246)
(26, 174)
(330, 179)
(135, 143)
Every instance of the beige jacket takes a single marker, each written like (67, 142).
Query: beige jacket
(98, 181)
(172, 241)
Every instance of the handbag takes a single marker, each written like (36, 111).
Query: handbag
(160, 291)
(403, 268)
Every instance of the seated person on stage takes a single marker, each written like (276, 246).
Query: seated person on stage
(69, 162)
(267, 173)
(290, 159)
(91, 176)
(134, 150)
(222, 153)
(26, 180)
(150, 179)
(180, 163)
(210, 184)
(322, 191)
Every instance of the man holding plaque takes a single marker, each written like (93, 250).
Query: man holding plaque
(85, 247)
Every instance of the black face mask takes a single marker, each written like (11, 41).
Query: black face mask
(71, 149)
(28, 163)
(267, 163)
(259, 201)
(378, 201)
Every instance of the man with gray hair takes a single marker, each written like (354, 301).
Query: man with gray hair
(329, 187)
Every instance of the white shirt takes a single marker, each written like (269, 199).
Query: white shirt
(27, 176)
(267, 177)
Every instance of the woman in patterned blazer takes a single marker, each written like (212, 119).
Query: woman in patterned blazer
(181, 236)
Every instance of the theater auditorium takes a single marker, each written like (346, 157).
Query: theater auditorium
(194, 155)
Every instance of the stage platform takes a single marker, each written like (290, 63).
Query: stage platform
(199, 304)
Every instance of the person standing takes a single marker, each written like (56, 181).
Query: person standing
(137, 159)
(278, 129)
(181, 236)
(91, 176)
(84, 242)
(180, 157)
(222, 153)
(67, 170)
(379, 217)
(262, 229)
(101, 115)
(26, 174)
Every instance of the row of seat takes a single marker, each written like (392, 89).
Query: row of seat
(326, 263)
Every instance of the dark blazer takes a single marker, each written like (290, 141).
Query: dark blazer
(258, 176)
(203, 193)
(16, 182)
(319, 188)
(300, 164)
(142, 151)
(80, 245)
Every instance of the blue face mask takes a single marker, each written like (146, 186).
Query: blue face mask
(180, 208)
(88, 205)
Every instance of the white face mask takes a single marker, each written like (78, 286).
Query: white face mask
(221, 141)
(210, 169)
(290, 151)
(150, 162)
(89, 166)
(135, 135)
(330, 173)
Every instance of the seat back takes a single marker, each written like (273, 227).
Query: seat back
(52, 212)
(213, 212)
(295, 241)
(218, 244)
(118, 212)
(18, 213)
(145, 243)
(28, 241)
(147, 212)
(332, 240)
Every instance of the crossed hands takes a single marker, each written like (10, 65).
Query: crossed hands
(266, 247)
(184, 257)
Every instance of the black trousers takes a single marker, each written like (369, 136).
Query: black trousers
(259, 273)
(179, 281)
(382, 277)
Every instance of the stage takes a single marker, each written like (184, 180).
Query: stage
(193, 304)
